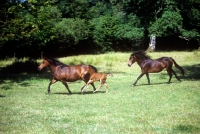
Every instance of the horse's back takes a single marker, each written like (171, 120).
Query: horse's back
(76, 72)
(86, 70)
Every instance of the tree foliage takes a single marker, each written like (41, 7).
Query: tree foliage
(169, 24)
(33, 26)
(72, 30)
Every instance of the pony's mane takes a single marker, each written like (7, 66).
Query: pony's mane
(141, 55)
(95, 69)
(55, 62)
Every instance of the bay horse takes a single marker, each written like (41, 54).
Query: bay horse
(101, 77)
(148, 65)
(64, 73)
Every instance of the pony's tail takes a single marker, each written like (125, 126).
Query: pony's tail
(179, 67)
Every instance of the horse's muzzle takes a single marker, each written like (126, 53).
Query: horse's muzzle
(129, 65)
(39, 68)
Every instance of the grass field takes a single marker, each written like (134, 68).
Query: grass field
(159, 108)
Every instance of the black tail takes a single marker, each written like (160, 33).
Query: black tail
(95, 69)
(179, 67)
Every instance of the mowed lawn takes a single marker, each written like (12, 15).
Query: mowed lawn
(26, 108)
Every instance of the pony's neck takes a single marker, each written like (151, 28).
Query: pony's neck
(140, 61)
(52, 68)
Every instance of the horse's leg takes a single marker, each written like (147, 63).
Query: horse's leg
(66, 85)
(51, 82)
(48, 89)
(170, 75)
(87, 79)
(138, 79)
(175, 75)
(93, 86)
(147, 74)
(99, 87)
(106, 87)
(84, 87)
(101, 84)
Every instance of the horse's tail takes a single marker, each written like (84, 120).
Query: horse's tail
(94, 68)
(179, 67)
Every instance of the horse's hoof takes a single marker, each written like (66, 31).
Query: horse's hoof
(133, 85)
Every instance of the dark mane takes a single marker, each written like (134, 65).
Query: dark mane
(141, 55)
(55, 62)
(95, 69)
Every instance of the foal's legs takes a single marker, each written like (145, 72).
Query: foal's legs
(101, 84)
(106, 87)
(93, 86)
(86, 86)
(83, 88)
(98, 88)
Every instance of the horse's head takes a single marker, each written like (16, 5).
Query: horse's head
(132, 59)
(44, 64)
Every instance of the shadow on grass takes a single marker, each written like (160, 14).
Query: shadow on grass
(159, 83)
(21, 67)
(79, 93)
(2, 96)
(192, 72)
(187, 129)
(19, 71)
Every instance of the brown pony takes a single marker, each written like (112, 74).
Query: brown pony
(64, 73)
(148, 65)
(101, 77)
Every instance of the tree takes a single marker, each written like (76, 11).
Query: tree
(130, 30)
(169, 24)
(104, 31)
(103, 25)
(71, 31)
(191, 19)
(178, 18)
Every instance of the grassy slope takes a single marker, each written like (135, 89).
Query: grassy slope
(155, 108)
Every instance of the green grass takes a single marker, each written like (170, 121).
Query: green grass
(25, 106)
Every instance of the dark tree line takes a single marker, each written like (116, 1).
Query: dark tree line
(63, 27)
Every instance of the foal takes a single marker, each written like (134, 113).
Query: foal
(101, 77)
